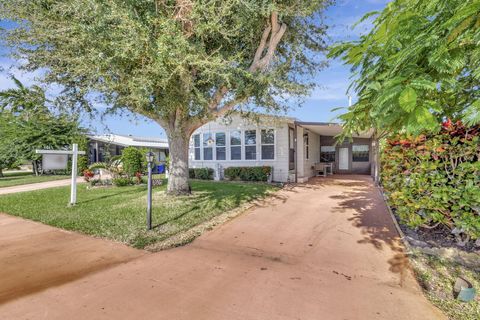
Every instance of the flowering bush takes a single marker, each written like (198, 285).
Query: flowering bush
(138, 177)
(87, 175)
(435, 179)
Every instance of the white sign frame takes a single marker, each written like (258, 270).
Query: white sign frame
(75, 153)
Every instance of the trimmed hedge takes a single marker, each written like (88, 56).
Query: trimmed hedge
(435, 179)
(248, 173)
(201, 173)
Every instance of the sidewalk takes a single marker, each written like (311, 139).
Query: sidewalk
(38, 186)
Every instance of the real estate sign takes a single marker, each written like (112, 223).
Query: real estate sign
(54, 161)
(57, 160)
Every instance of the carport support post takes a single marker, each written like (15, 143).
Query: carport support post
(73, 189)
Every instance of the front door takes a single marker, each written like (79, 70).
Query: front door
(343, 159)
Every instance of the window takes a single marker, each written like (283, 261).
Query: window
(250, 144)
(291, 149)
(360, 153)
(305, 143)
(327, 154)
(235, 145)
(207, 146)
(220, 143)
(268, 144)
(196, 146)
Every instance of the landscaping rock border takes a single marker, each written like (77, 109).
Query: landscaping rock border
(467, 259)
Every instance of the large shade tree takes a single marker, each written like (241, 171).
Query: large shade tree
(180, 63)
(419, 65)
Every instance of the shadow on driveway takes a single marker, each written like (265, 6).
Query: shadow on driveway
(34, 257)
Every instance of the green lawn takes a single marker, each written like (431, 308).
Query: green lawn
(437, 278)
(16, 179)
(119, 213)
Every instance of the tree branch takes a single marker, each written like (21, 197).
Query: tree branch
(273, 33)
(183, 9)
(261, 46)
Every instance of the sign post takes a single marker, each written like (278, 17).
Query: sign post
(56, 163)
(73, 189)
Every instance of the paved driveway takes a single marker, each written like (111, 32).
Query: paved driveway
(324, 250)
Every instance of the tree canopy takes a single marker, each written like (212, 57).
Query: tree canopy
(161, 57)
(419, 65)
(181, 63)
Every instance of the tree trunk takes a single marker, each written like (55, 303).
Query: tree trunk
(1, 172)
(178, 141)
(34, 167)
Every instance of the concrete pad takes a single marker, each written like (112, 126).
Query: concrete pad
(322, 250)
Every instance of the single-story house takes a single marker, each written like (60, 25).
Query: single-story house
(113, 144)
(291, 147)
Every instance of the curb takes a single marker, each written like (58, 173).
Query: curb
(405, 242)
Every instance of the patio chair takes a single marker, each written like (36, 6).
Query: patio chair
(321, 167)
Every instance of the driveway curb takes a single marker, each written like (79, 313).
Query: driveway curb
(395, 222)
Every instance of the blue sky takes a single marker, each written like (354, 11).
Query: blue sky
(333, 81)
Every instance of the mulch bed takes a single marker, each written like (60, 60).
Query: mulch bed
(440, 237)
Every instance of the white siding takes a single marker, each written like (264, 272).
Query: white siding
(236, 123)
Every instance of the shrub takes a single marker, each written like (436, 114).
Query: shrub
(100, 182)
(132, 161)
(138, 177)
(122, 181)
(87, 175)
(435, 179)
(248, 173)
(201, 173)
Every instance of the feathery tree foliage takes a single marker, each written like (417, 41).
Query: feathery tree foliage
(8, 149)
(418, 65)
(181, 63)
(27, 123)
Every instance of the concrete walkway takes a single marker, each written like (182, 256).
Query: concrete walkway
(38, 186)
(324, 250)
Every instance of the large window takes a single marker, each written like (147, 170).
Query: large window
(208, 146)
(250, 144)
(327, 154)
(220, 143)
(196, 146)
(268, 144)
(360, 153)
(235, 145)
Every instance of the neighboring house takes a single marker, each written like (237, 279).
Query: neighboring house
(290, 147)
(102, 146)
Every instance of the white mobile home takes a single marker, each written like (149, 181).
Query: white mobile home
(294, 149)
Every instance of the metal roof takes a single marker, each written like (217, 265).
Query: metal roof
(131, 141)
